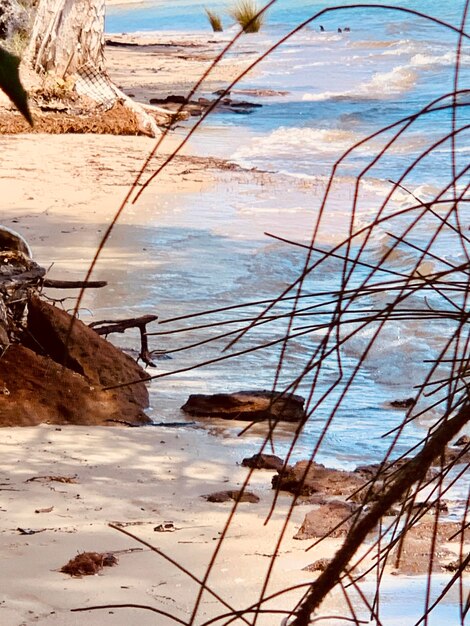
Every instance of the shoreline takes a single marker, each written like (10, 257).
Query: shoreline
(142, 477)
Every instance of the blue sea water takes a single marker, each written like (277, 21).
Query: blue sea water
(342, 86)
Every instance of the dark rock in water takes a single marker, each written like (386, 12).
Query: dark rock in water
(464, 440)
(264, 461)
(205, 102)
(244, 105)
(302, 480)
(174, 98)
(333, 519)
(403, 404)
(226, 496)
(88, 354)
(375, 470)
(247, 405)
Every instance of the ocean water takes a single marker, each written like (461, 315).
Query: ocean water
(339, 89)
(342, 88)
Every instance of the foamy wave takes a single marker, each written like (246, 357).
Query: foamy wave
(427, 61)
(302, 141)
(383, 85)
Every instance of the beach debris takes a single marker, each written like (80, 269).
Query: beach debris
(263, 461)
(403, 404)
(133, 523)
(165, 527)
(332, 519)
(30, 531)
(231, 494)
(197, 107)
(46, 510)
(247, 405)
(89, 563)
(105, 327)
(57, 479)
(306, 478)
(257, 93)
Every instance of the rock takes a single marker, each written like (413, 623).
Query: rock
(318, 479)
(456, 565)
(454, 455)
(13, 18)
(317, 566)
(464, 440)
(370, 471)
(88, 354)
(264, 461)
(35, 389)
(403, 404)
(247, 405)
(40, 385)
(226, 496)
(414, 558)
(325, 519)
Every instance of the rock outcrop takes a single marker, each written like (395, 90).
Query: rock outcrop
(41, 381)
(333, 518)
(264, 461)
(247, 405)
(232, 494)
(305, 480)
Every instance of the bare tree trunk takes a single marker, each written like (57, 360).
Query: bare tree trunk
(67, 39)
(67, 34)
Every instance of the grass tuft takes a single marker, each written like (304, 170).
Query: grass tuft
(245, 13)
(215, 21)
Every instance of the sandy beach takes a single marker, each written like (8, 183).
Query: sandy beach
(60, 192)
(61, 487)
(139, 478)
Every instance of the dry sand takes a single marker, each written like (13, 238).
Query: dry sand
(139, 478)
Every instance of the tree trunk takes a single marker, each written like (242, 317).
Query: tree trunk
(67, 34)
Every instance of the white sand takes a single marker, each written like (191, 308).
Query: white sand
(142, 476)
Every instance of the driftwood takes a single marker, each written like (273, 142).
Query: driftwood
(73, 284)
(105, 327)
(18, 276)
